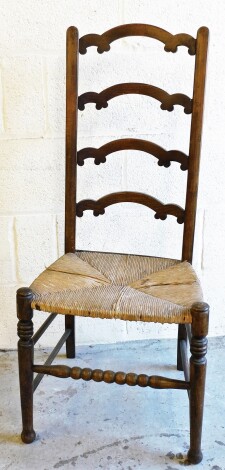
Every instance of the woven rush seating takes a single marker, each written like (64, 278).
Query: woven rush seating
(128, 287)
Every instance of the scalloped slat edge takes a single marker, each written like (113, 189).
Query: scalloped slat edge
(167, 101)
(164, 156)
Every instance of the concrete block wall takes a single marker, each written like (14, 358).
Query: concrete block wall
(32, 128)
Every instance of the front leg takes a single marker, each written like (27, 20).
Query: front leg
(200, 315)
(25, 356)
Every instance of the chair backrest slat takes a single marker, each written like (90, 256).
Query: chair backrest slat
(167, 101)
(164, 156)
(103, 41)
(161, 210)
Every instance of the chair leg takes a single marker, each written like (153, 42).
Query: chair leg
(70, 342)
(182, 335)
(25, 356)
(200, 314)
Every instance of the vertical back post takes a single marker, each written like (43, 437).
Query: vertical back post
(72, 50)
(195, 143)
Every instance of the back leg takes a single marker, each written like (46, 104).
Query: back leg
(182, 335)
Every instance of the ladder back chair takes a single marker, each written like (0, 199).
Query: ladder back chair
(127, 287)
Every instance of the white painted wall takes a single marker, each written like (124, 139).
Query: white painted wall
(32, 122)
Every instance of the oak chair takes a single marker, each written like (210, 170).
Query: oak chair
(128, 287)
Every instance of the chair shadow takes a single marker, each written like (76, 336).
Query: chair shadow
(11, 438)
(151, 364)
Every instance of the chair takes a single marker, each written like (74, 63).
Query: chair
(128, 287)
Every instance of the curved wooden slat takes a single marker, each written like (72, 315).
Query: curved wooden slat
(164, 157)
(103, 41)
(167, 101)
(161, 210)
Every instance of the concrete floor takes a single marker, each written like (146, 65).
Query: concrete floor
(98, 426)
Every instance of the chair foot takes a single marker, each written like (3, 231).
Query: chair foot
(194, 457)
(28, 436)
(70, 342)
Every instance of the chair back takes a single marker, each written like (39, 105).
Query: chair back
(193, 106)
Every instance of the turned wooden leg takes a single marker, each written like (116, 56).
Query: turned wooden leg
(25, 356)
(70, 342)
(200, 316)
(182, 335)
